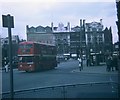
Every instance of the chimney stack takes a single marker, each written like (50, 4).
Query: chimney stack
(27, 28)
(83, 22)
(52, 25)
(101, 21)
(80, 22)
(68, 26)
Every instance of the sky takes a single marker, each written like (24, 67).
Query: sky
(43, 12)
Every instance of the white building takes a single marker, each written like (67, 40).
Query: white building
(40, 34)
(15, 39)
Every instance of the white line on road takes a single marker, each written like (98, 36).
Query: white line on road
(112, 85)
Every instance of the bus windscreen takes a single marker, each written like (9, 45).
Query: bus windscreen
(26, 59)
(25, 46)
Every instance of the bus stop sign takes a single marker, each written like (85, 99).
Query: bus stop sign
(5, 20)
(9, 23)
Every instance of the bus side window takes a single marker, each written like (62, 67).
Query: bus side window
(20, 59)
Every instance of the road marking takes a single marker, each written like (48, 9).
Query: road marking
(112, 85)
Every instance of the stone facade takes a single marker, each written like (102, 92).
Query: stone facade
(40, 34)
(84, 39)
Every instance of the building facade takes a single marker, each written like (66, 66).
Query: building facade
(62, 38)
(87, 39)
(94, 37)
(40, 34)
(77, 39)
(108, 43)
(98, 41)
(53, 35)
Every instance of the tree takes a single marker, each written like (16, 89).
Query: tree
(118, 16)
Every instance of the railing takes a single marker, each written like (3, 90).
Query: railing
(82, 90)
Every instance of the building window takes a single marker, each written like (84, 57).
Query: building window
(89, 39)
(5, 42)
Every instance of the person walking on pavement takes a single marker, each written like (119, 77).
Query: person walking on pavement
(109, 63)
(115, 62)
(80, 63)
(88, 62)
(7, 67)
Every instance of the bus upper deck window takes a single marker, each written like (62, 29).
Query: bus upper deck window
(21, 46)
(28, 46)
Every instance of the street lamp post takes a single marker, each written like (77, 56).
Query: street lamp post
(9, 23)
(118, 26)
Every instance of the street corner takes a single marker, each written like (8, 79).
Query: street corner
(94, 71)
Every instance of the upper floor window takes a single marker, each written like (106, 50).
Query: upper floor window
(94, 29)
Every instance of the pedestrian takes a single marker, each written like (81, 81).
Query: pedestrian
(109, 63)
(80, 64)
(88, 62)
(115, 62)
(7, 67)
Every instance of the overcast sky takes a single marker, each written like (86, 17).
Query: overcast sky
(43, 12)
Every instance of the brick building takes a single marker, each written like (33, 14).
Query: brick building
(87, 39)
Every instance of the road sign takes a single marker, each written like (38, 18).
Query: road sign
(5, 19)
(9, 23)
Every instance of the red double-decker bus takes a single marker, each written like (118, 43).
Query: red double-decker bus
(35, 56)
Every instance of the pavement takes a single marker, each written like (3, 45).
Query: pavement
(95, 69)
(101, 69)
